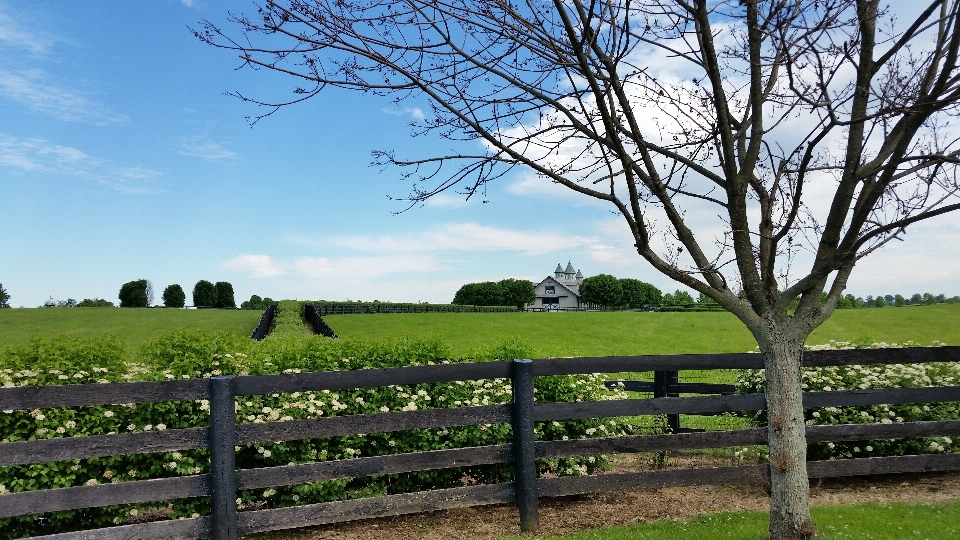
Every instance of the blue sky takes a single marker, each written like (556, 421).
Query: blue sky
(121, 158)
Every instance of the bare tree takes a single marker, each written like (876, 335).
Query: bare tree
(815, 131)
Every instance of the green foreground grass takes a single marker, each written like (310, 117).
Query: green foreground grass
(861, 522)
(133, 326)
(634, 333)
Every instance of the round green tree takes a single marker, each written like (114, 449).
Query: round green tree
(204, 294)
(637, 294)
(487, 293)
(174, 297)
(517, 292)
(134, 294)
(602, 289)
(225, 295)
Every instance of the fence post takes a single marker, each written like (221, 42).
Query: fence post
(223, 473)
(524, 457)
(663, 383)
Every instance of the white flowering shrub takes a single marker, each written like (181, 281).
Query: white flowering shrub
(825, 379)
(190, 354)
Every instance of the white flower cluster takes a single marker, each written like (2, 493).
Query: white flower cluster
(867, 377)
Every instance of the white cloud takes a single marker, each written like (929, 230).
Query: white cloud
(362, 267)
(188, 3)
(29, 89)
(329, 268)
(413, 112)
(39, 155)
(455, 237)
(257, 266)
(203, 147)
(12, 35)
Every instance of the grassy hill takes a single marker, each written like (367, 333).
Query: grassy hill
(576, 333)
(134, 326)
(630, 333)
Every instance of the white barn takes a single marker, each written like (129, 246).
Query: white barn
(560, 291)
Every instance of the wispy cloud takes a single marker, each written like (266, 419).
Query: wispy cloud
(413, 112)
(39, 155)
(14, 35)
(456, 237)
(338, 268)
(29, 89)
(203, 147)
(256, 266)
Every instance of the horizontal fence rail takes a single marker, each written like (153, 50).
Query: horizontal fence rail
(223, 435)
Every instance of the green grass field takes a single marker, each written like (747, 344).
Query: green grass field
(134, 326)
(632, 333)
(861, 522)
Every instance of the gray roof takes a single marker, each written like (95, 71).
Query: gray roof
(579, 274)
(569, 269)
(559, 269)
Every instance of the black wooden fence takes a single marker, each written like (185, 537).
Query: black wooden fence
(223, 434)
(266, 321)
(320, 327)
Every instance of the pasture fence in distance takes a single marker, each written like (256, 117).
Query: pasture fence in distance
(224, 434)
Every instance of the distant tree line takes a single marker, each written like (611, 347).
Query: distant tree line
(506, 292)
(4, 298)
(257, 303)
(850, 301)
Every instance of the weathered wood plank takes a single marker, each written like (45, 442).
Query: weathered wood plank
(390, 464)
(359, 424)
(72, 498)
(738, 402)
(862, 432)
(740, 437)
(889, 396)
(364, 378)
(680, 362)
(576, 485)
(883, 465)
(909, 355)
(634, 407)
(650, 443)
(389, 505)
(157, 530)
(675, 362)
(61, 449)
(76, 395)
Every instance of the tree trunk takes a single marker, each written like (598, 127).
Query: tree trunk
(789, 486)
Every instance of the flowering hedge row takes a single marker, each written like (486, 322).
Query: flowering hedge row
(191, 354)
(870, 377)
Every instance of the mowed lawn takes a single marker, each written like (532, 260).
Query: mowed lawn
(634, 333)
(135, 326)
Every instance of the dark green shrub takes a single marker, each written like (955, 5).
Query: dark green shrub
(4, 298)
(95, 302)
(174, 297)
(134, 294)
(225, 295)
(516, 292)
(603, 290)
(637, 294)
(257, 303)
(204, 294)
(487, 293)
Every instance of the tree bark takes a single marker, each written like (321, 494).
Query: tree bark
(789, 486)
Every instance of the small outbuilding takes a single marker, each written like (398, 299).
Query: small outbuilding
(558, 292)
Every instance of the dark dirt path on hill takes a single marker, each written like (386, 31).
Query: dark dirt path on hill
(571, 514)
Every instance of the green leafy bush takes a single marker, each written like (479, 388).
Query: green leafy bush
(95, 302)
(603, 290)
(185, 354)
(870, 377)
(224, 295)
(174, 297)
(204, 294)
(135, 293)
